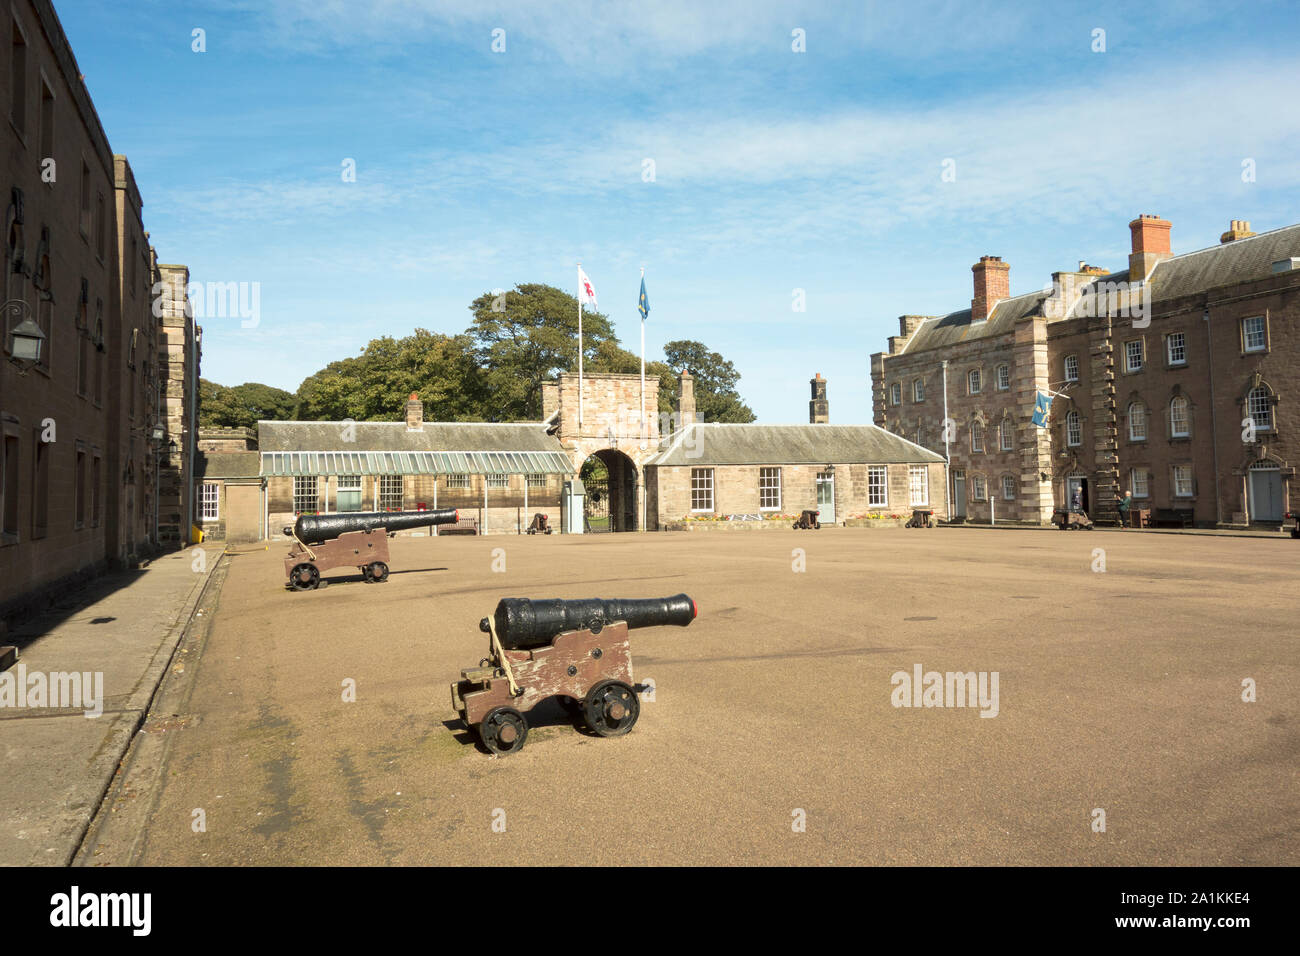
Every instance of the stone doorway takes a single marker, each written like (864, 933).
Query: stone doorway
(610, 478)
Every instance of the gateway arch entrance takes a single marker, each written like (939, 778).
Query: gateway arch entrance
(610, 478)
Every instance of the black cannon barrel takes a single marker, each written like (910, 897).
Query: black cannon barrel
(522, 623)
(313, 529)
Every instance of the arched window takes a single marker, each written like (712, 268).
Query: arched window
(1073, 429)
(1005, 434)
(1137, 422)
(1180, 424)
(1259, 406)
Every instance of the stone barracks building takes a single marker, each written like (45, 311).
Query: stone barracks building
(96, 430)
(1175, 379)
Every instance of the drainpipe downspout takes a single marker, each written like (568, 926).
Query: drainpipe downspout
(947, 457)
(1214, 428)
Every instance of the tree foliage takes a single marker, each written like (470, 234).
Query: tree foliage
(242, 406)
(492, 372)
(716, 397)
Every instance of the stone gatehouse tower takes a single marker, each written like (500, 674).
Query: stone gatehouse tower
(611, 430)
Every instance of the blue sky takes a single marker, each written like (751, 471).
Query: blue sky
(774, 170)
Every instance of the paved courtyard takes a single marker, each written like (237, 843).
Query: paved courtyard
(1118, 690)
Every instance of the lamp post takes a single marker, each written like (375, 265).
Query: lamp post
(156, 436)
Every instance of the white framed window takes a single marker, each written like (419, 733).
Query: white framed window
(456, 481)
(895, 394)
(1139, 482)
(1176, 348)
(918, 391)
(769, 489)
(209, 501)
(305, 495)
(978, 489)
(918, 485)
(498, 481)
(1008, 488)
(391, 492)
(1072, 368)
(1254, 336)
(1133, 356)
(1004, 377)
(701, 489)
(976, 437)
(1183, 486)
(1073, 429)
(973, 381)
(1179, 421)
(877, 486)
(536, 481)
(1259, 407)
(1006, 434)
(1137, 421)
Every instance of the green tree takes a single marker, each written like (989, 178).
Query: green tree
(375, 385)
(716, 397)
(527, 336)
(242, 406)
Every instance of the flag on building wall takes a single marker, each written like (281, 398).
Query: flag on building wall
(1042, 406)
(643, 306)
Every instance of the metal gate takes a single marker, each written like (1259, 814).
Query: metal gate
(596, 506)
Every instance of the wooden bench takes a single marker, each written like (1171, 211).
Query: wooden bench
(1183, 517)
(464, 525)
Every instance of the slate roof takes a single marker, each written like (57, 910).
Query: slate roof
(714, 443)
(1243, 260)
(394, 436)
(227, 464)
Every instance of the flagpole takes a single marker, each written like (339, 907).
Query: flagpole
(579, 348)
(643, 429)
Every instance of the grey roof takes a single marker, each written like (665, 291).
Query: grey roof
(714, 443)
(276, 463)
(1243, 260)
(227, 464)
(394, 436)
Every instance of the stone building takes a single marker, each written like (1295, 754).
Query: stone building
(179, 348)
(497, 475)
(80, 423)
(1168, 379)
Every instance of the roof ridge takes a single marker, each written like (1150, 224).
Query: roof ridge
(1233, 243)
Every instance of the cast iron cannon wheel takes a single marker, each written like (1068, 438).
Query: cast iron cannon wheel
(377, 572)
(503, 730)
(305, 577)
(611, 708)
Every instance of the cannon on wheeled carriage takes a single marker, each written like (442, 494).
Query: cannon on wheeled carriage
(921, 518)
(807, 520)
(1070, 520)
(577, 651)
(355, 539)
(541, 524)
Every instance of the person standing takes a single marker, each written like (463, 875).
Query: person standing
(1125, 504)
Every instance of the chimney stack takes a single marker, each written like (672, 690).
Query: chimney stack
(686, 400)
(819, 410)
(1150, 245)
(992, 285)
(414, 414)
(1240, 229)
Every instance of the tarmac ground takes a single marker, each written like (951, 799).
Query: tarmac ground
(1122, 660)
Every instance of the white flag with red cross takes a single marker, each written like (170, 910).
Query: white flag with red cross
(586, 291)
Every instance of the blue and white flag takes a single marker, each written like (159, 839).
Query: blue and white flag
(1042, 407)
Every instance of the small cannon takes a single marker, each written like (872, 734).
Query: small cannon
(356, 539)
(808, 520)
(1070, 520)
(577, 651)
(921, 518)
(541, 524)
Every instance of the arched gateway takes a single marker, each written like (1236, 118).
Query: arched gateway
(613, 432)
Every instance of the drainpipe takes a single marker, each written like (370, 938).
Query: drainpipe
(947, 458)
(1214, 429)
